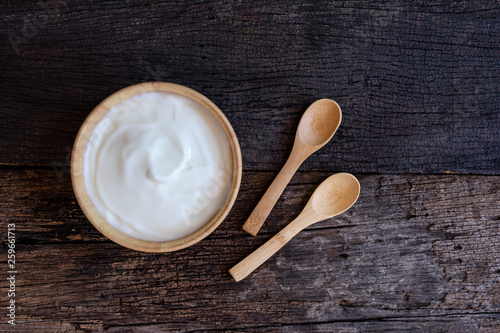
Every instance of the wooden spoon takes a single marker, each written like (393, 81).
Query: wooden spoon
(316, 127)
(333, 196)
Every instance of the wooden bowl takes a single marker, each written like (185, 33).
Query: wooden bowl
(83, 197)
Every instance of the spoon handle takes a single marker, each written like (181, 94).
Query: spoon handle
(259, 256)
(267, 202)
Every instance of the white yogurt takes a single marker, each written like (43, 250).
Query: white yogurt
(158, 166)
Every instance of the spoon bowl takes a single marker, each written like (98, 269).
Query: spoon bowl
(319, 123)
(333, 196)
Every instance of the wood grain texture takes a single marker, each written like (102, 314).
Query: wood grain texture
(418, 86)
(485, 323)
(418, 82)
(416, 252)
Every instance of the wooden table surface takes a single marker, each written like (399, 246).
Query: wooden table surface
(418, 83)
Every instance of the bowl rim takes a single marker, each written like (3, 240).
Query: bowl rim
(78, 182)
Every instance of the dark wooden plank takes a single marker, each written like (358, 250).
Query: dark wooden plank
(413, 246)
(99, 283)
(417, 81)
(484, 323)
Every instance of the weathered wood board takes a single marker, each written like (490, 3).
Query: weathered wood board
(418, 85)
(418, 82)
(406, 255)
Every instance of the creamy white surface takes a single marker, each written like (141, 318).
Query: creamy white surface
(158, 166)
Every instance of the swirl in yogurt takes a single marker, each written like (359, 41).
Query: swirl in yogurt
(158, 166)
